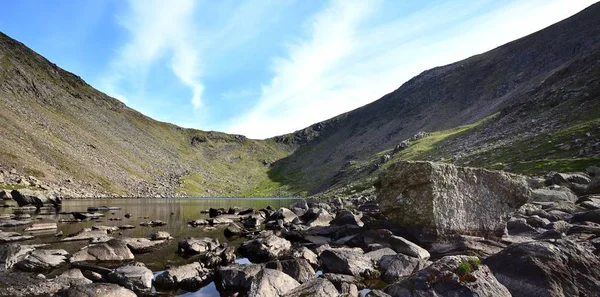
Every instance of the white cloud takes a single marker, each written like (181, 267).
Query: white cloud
(158, 29)
(350, 59)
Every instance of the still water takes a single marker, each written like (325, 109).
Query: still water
(175, 212)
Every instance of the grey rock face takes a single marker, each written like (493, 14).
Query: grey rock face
(190, 276)
(265, 247)
(348, 262)
(553, 195)
(299, 269)
(42, 260)
(433, 200)
(41, 227)
(112, 250)
(10, 254)
(589, 216)
(467, 245)
(444, 279)
(317, 287)
(97, 290)
(547, 268)
(269, 282)
(198, 245)
(35, 198)
(88, 235)
(133, 277)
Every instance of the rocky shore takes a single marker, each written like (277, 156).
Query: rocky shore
(431, 230)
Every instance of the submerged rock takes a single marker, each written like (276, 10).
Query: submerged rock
(189, 277)
(42, 260)
(434, 200)
(112, 250)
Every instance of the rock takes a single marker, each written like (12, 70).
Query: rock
(537, 222)
(112, 250)
(197, 223)
(213, 212)
(450, 276)
(133, 277)
(283, 214)
(13, 223)
(376, 255)
(143, 245)
(269, 282)
(434, 200)
(107, 229)
(88, 235)
(3, 194)
(232, 230)
(86, 215)
(198, 245)
(246, 211)
(377, 293)
(190, 276)
(252, 222)
(466, 245)
(265, 247)
(317, 217)
(553, 195)
(219, 221)
(519, 226)
(300, 204)
(42, 260)
(396, 267)
(6, 237)
(590, 216)
(403, 246)
(160, 235)
(127, 215)
(301, 252)
(346, 217)
(236, 277)
(10, 254)
(547, 268)
(340, 281)
(126, 227)
(594, 186)
(299, 269)
(42, 226)
(36, 198)
(316, 287)
(73, 277)
(97, 290)
(348, 262)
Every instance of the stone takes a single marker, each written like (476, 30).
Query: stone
(466, 245)
(36, 198)
(133, 277)
(547, 268)
(553, 195)
(190, 276)
(41, 227)
(12, 253)
(13, 223)
(537, 221)
(88, 235)
(236, 277)
(299, 269)
(97, 290)
(265, 247)
(377, 293)
(42, 260)
(283, 214)
(348, 262)
(143, 245)
(403, 246)
(346, 217)
(84, 216)
(73, 277)
(589, 216)
(517, 226)
(160, 235)
(396, 267)
(219, 221)
(317, 217)
(301, 252)
(198, 245)
(302, 204)
(252, 222)
(316, 287)
(6, 237)
(112, 250)
(269, 282)
(376, 255)
(450, 276)
(594, 186)
(233, 230)
(435, 200)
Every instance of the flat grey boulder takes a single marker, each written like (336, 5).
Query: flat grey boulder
(233, 229)
(588, 216)
(404, 246)
(346, 217)
(269, 283)
(13, 222)
(134, 277)
(198, 245)
(284, 214)
(41, 227)
(72, 277)
(236, 277)
(97, 235)
(112, 250)
(6, 237)
(396, 267)
(553, 195)
(42, 260)
(265, 247)
(299, 269)
(143, 245)
(36, 198)
(435, 200)
(316, 287)
(376, 255)
(317, 217)
(348, 262)
(97, 290)
(448, 277)
(12, 253)
(547, 268)
(191, 276)
(160, 235)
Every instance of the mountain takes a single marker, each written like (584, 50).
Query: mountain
(61, 131)
(529, 106)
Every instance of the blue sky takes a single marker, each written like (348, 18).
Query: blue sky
(264, 68)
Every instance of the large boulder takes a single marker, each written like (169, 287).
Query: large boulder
(10, 254)
(97, 290)
(42, 260)
(396, 267)
(547, 268)
(190, 277)
(143, 245)
(265, 247)
(317, 287)
(269, 282)
(236, 277)
(198, 245)
(283, 214)
(134, 277)
(299, 269)
(434, 200)
(449, 277)
(112, 250)
(36, 198)
(553, 195)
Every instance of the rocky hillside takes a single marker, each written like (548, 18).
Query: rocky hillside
(58, 132)
(529, 106)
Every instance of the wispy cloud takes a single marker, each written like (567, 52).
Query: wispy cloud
(349, 58)
(158, 29)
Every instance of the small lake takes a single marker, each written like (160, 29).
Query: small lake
(176, 212)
